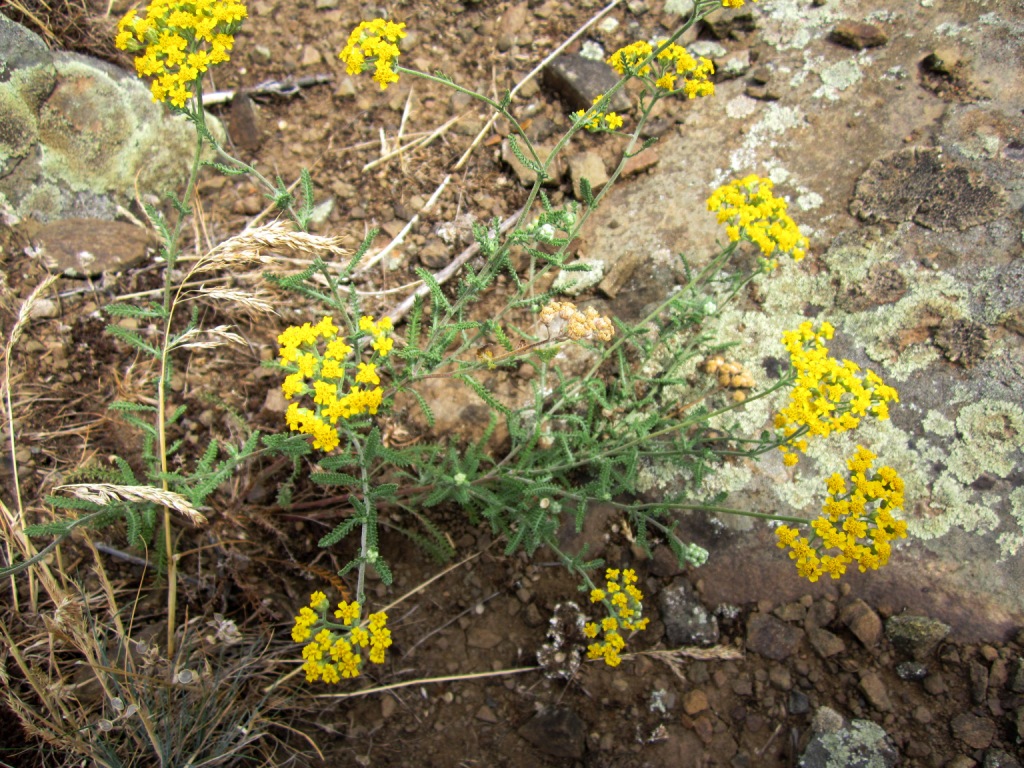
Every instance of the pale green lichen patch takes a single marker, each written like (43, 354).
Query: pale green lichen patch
(838, 77)
(17, 126)
(938, 424)
(899, 334)
(990, 433)
(1010, 543)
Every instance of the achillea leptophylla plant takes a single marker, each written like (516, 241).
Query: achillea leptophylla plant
(335, 648)
(857, 525)
(624, 602)
(579, 439)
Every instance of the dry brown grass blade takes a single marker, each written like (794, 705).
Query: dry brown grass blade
(257, 246)
(16, 525)
(105, 493)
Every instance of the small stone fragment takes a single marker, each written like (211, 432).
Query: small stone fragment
(912, 671)
(486, 714)
(915, 636)
(998, 758)
(481, 637)
(798, 704)
(695, 701)
(687, 621)
(771, 638)
(977, 673)
(976, 732)
(558, 732)
(90, 247)
(858, 35)
(578, 81)
(874, 690)
(863, 622)
(837, 743)
(589, 166)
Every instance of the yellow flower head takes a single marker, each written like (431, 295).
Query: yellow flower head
(177, 41)
(374, 43)
(856, 526)
(752, 213)
(602, 120)
(672, 71)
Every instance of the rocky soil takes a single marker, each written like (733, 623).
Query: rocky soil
(742, 665)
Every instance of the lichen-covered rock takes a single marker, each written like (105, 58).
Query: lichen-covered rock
(854, 744)
(78, 136)
(918, 184)
(915, 636)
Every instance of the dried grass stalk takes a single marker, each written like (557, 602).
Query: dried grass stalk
(255, 246)
(208, 338)
(26, 310)
(104, 493)
(257, 301)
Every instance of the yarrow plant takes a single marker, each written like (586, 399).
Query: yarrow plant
(335, 648)
(177, 41)
(624, 602)
(578, 437)
(857, 525)
(829, 396)
(569, 447)
(752, 212)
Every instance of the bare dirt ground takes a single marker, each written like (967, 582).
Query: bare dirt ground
(748, 701)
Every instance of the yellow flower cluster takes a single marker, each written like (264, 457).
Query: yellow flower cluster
(829, 395)
(324, 376)
(753, 213)
(859, 509)
(601, 121)
(179, 41)
(669, 66)
(333, 652)
(587, 324)
(625, 606)
(733, 3)
(374, 43)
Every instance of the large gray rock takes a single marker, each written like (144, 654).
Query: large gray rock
(77, 134)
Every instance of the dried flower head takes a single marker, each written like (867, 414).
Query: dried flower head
(576, 325)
